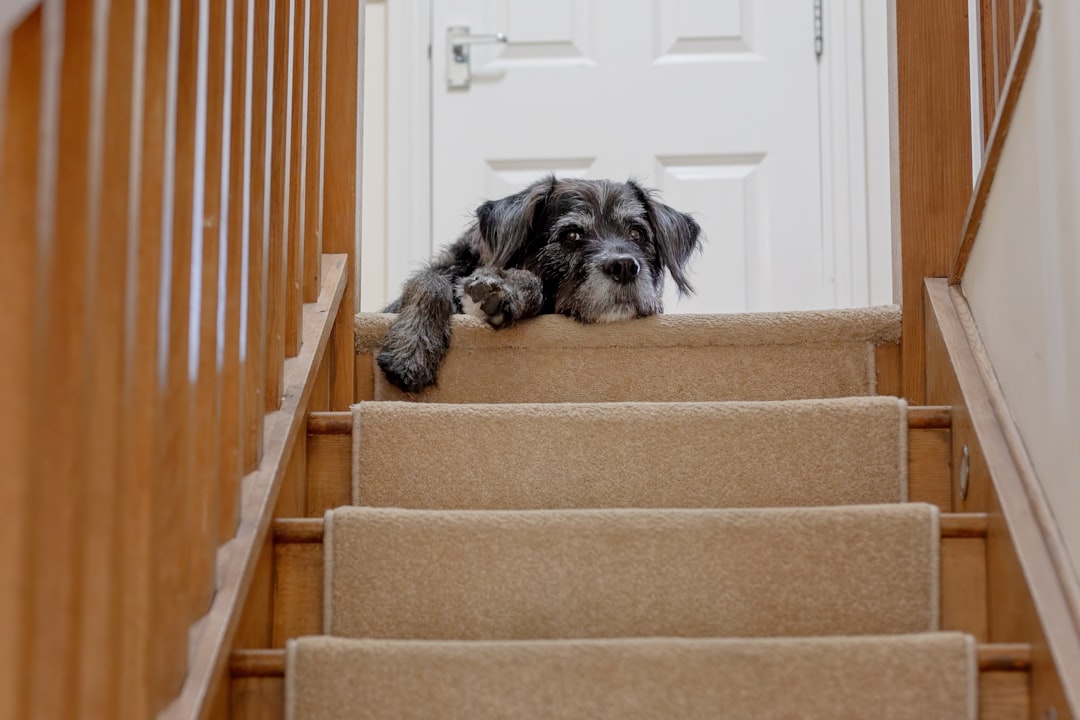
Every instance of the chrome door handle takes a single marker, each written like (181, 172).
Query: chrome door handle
(458, 40)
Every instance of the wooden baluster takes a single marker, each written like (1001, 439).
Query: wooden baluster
(208, 391)
(1019, 9)
(174, 603)
(20, 95)
(114, 28)
(141, 421)
(340, 218)
(280, 34)
(261, 180)
(313, 203)
(294, 297)
(239, 228)
(58, 350)
(1004, 37)
(254, 357)
(988, 63)
(232, 390)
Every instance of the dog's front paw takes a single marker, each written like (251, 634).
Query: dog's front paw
(411, 374)
(411, 353)
(484, 295)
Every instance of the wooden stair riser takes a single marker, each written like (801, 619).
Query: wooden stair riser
(329, 460)
(299, 570)
(258, 683)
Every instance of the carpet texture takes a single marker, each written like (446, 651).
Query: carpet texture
(752, 356)
(537, 456)
(911, 677)
(540, 574)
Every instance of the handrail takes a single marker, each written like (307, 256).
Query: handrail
(165, 203)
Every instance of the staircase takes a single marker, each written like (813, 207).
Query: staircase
(696, 516)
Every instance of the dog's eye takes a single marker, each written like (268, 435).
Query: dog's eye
(635, 234)
(571, 235)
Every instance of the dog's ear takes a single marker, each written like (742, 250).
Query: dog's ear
(677, 235)
(507, 225)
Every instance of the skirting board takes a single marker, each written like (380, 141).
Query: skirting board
(1032, 591)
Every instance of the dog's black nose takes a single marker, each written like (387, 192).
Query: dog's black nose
(622, 269)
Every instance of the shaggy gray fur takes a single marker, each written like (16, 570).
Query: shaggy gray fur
(594, 250)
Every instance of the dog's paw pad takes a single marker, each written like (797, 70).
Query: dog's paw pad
(486, 299)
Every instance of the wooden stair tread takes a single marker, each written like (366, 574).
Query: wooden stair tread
(341, 423)
(992, 657)
(310, 530)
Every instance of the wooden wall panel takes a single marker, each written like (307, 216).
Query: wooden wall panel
(963, 586)
(329, 472)
(255, 628)
(929, 458)
(365, 377)
(258, 698)
(292, 497)
(298, 591)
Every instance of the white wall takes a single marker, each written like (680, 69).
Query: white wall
(373, 291)
(1023, 279)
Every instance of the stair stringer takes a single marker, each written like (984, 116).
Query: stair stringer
(1033, 595)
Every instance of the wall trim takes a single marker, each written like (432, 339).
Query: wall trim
(853, 98)
(1029, 549)
(1014, 81)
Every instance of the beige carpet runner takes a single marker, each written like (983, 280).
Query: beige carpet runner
(753, 356)
(686, 455)
(907, 677)
(676, 517)
(536, 574)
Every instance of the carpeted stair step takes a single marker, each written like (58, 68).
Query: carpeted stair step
(906, 677)
(537, 456)
(751, 356)
(542, 574)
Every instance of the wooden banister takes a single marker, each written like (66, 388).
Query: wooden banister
(145, 282)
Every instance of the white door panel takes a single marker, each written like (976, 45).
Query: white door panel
(713, 102)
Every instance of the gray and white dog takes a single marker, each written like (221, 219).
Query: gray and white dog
(594, 250)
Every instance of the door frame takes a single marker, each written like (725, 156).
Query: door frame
(854, 121)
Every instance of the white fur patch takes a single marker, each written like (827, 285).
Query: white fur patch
(470, 306)
(617, 314)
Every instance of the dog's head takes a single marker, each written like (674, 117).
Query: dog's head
(600, 247)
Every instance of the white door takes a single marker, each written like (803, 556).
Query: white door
(713, 102)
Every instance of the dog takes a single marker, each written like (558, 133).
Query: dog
(594, 250)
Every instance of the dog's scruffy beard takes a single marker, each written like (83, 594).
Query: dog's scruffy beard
(594, 250)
